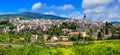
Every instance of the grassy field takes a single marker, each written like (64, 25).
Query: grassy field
(105, 47)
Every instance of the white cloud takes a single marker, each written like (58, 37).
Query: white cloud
(37, 6)
(103, 14)
(94, 3)
(50, 13)
(63, 15)
(64, 7)
(22, 10)
(102, 10)
(97, 9)
(76, 15)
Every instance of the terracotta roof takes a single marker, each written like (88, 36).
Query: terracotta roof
(63, 36)
(76, 32)
(45, 35)
(34, 36)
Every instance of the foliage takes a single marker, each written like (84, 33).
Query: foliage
(74, 38)
(69, 25)
(106, 28)
(4, 37)
(99, 36)
(54, 30)
(107, 47)
(77, 43)
(90, 38)
(79, 36)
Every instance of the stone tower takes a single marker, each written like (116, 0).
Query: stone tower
(84, 16)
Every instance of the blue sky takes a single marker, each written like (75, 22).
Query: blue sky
(26, 5)
(96, 10)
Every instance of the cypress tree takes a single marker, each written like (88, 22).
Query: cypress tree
(99, 35)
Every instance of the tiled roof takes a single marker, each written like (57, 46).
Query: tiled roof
(76, 32)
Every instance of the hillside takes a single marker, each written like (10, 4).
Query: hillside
(115, 22)
(30, 15)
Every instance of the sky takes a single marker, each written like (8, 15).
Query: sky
(95, 10)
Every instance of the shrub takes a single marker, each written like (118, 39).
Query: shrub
(90, 38)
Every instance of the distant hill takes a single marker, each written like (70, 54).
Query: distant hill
(115, 22)
(30, 15)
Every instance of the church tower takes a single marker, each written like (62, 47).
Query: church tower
(84, 16)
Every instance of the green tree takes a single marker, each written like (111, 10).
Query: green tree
(74, 38)
(79, 36)
(106, 28)
(91, 31)
(119, 35)
(91, 38)
(4, 37)
(54, 30)
(99, 36)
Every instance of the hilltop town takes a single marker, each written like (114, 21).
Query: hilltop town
(57, 30)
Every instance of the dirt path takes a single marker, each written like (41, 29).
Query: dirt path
(63, 43)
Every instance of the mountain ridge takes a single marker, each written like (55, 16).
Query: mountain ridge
(31, 15)
(115, 22)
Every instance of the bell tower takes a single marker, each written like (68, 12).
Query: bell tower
(84, 16)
